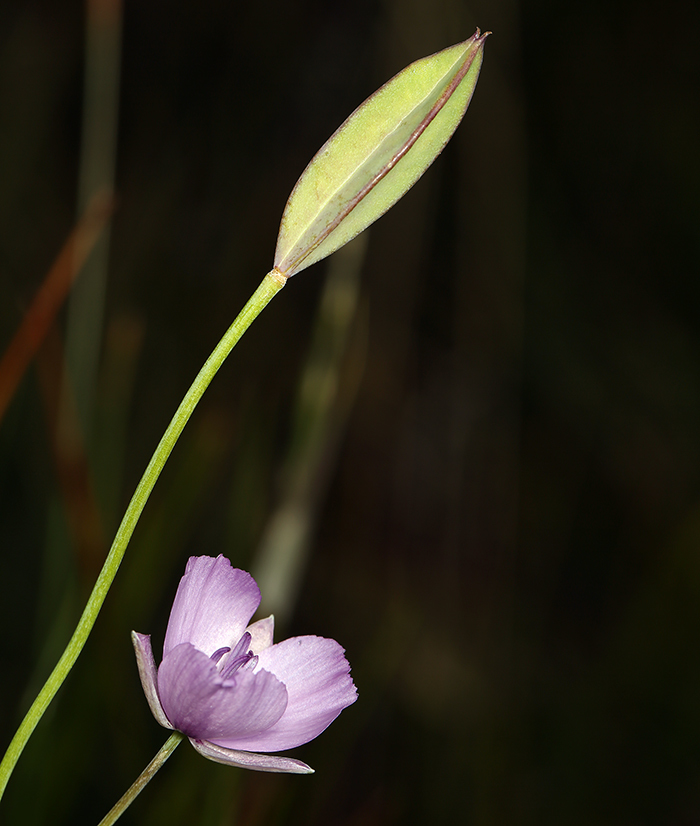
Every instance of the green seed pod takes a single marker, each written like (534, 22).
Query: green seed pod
(377, 154)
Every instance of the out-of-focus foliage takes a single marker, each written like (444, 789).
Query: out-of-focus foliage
(506, 500)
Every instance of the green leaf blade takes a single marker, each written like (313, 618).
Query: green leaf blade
(377, 154)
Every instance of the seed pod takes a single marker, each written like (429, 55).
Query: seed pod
(377, 154)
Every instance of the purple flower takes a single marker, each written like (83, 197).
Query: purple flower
(225, 685)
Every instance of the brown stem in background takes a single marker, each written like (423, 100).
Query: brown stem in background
(51, 295)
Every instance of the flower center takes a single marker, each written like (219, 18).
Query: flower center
(239, 656)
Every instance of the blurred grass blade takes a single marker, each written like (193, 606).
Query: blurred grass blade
(98, 152)
(377, 154)
(326, 393)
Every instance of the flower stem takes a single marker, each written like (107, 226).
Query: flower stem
(128, 798)
(269, 287)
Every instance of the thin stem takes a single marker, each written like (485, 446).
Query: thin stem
(128, 798)
(269, 287)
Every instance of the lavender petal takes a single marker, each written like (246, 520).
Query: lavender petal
(316, 675)
(213, 604)
(204, 706)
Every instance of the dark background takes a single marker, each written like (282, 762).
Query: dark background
(503, 509)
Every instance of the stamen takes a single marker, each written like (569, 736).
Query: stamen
(219, 653)
(251, 663)
(241, 646)
(238, 657)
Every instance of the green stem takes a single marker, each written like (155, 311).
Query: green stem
(128, 798)
(269, 287)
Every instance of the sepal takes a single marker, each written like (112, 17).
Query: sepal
(250, 760)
